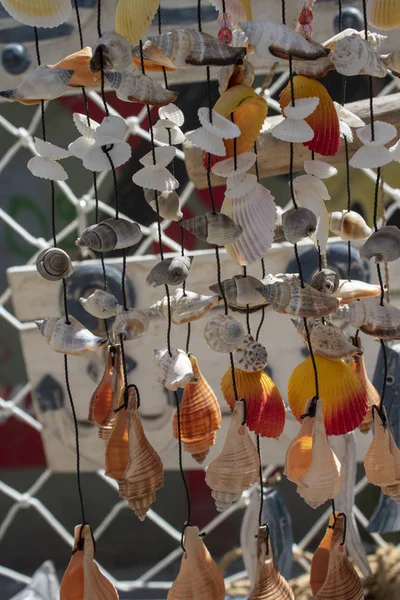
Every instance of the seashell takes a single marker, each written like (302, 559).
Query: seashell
(265, 411)
(167, 132)
(217, 125)
(154, 59)
(111, 52)
(349, 225)
(310, 192)
(345, 399)
(291, 298)
(383, 133)
(298, 223)
(327, 339)
(323, 120)
(372, 318)
(190, 47)
(44, 83)
(301, 109)
(347, 116)
(358, 364)
(131, 85)
(354, 55)
(232, 75)
(199, 576)
(68, 338)
(392, 62)
(313, 68)
(383, 14)
(237, 466)
(170, 271)
(173, 371)
(276, 39)
(256, 215)
(144, 473)
(292, 131)
(383, 244)
(250, 356)
(395, 151)
(54, 264)
(48, 150)
(299, 454)
(379, 463)
(208, 142)
(133, 17)
(240, 185)
(168, 204)
(355, 290)
(214, 228)
(172, 113)
(47, 169)
(240, 293)
(100, 304)
(131, 324)
(223, 333)
(199, 416)
(326, 281)
(269, 583)
(40, 13)
(154, 175)
(320, 560)
(83, 578)
(110, 234)
(226, 168)
(319, 169)
(117, 449)
(79, 63)
(184, 306)
(309, 183)
(368, 157)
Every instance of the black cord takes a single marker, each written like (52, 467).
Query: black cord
(261, 482)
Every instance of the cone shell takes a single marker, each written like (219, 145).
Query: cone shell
(110, 234)
(173, 371)
(325, 281)
(100, 304)
(372, 318)
(170, 271)
(373, 396)
(383, 14)
(223, 333)
(53, 264)
(154, 59)
(383, 245)
(349, 225)
(199, 576)
(79, 62)
(250, 356)
(265, 411)
(241, 293)
(348, 291)
(131, 85)
(144, 473)
(133, 17)
(298, 223)
(345, 399)
(327, 340)
(111, 52)
(40, 13)
(69, 338)
(117, 450)
(290, 298)
(379, 463)
(214, 228)
(237, 466)
(299, 453)
(200, 416)
(323, 121)
(131, 324)
(320, 560)
(44, 83)
(184, 306)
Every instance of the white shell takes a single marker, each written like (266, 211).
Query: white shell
(168, 203)
(226, 168)
(111, 52)
(223, 333)
(207, 141)
(172, 113)
(345, 131)
(218, 125)
(383, 133)
(163, 156)
(371, 158)
(112, 129)
(131, 324)
(240, 185)
(319, 168)
(44, 83)
(395, 151)
(46, 168)
(311, 199)
(353, 55)
(79, 147)
(100, 304)
(347, 116)
(161, 179)
(305, 183)
(94, 159)
(174, 371)
(69, 338)
(185, 306)
(250, 356)
(48, 150)
(82, 126)
(303, 108)
(289, 130)
(167, 132)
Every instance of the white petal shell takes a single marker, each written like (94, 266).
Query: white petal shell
(172, 113)
(112, 128)
(96, 160)
(383, 133)
(207, 141)
(219, 125)
(48, 150)
(347, 116)
(167, 132)
(319, 168)
(290, 130)
(174, 371)
(371, 158)
(227, 167)
(302, 108)
(161, 179)
(240, 185)
(163, 156)
(395, 151)
(79, 147)
(304, 183)
(47, 169)
(82, 125)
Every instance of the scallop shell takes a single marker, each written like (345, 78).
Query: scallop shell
(241, 293)
(184, 306)
(167, 132)
(327, 340)
(111, 52)
(326, 281)
(48, 150)
(133, 17)
(144, 473)
(131, 324)
(117, 449)
(301, 109)
(199, 576)
(54, 264)
(199, 416)
(40, 13)
(383, 14)
(237, 466)
(291, 298)
(298, 223)
(154, 175)
(232, 75)
(47, 169)
(172, 113)
(170, 271)
(299, 453)
(319, 169)
(240, 185)
(383, 245)
(168, 204)
(229, 168)
(368, 157)
(354, 55)
(131, 85)
(44, 83)
(372, 318)
(250, 356)
(110, 234)
(173, 371)
(373, 396)
(100, 304)
(214, 228)
(223, 333)
(383, 134)
(217, 125)
(207, 141)
(355, 290)
(349, 225)
(69, 338)
(293, 131)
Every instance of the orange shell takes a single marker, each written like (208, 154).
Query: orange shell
(323, 121)
(373, 396)
(79, 62)
(299, 453)
(379, 462)
(117, 450)
(265, 411)
(101, 400)
(320, 561)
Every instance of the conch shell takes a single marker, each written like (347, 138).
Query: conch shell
(173, 371)
(117, 449)
(131, 85)
(380, 464)
(237, 466)
(383, 245)
(111, 52)
(110, 234)
(373, 396)
(348, 291)
(44, 83)
(223, 333)
(320, 560)
(241, 293)
(69, 338)
(54, 264)
(170, 271)
(130, 324)
(373, 318)
(349, 225)
(326, 281)
(299, 454)
(214, 228)
(184, 306)
(354, 55)
(326, 339)
(100, 304)
(79, 63)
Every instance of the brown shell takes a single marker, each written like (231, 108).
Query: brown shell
(108, 395)
(117, 447)
(320, 561)
(379, 463)
(299, 453)
(358, 364)
(79, 62)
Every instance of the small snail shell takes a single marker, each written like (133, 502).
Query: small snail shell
(349, 225)
(326, 281)
(383, 244)
(54, 264)
(100, 304)
(171, 271)
(110, 234)
(213, 228)
(298, 223)
(223, 333)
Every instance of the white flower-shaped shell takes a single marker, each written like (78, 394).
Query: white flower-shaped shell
(227, 168)
(111, 129)
(156, 176)
(289, 130)
(167, 132)
(82, 126)
(51, 151)
(371, 158)
(395, 151)
(302, 108)
(319, 169)
(163, 156)
(347, 116)
(94, 159)
(218, 125)
(240, 185)
(45, 165)
(383, 133)
(172, 113)
(223, 333)
(305, 183)
(207, 141)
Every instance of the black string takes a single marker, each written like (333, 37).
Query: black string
(261, 482)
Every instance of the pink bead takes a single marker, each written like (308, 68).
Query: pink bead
(225, 20)
(225, 35)
(306, 17)
(306, 31)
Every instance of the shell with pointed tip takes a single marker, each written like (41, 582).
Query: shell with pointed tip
(184, 306)
(265, 411)
(173, 371)
(143, 474)
(40, 13)
(170, 271)
(372, 318)
(298, 223)
(354, 55)
(117, 449)
(349, 225)
(79, 63)
(319, 168)
(327, 340)
(348, 291)
(232, 75)
(130, 324)
(236, 467)
(326, 281)
(44, 83)
(131, 85)
(373, 396)
(383, 244)
(223, 333)
(383, 14)
(250, 356)
(299, 453)
(320, 560)
(168, 204)
(110, 234)
(200, 416)
(100, 304)
(69, 338)
(199, 576)
(379, 463)
(54, 264)
(214, 228)
(241, 293)
(133, 17)
(111, 52)
(290, 298)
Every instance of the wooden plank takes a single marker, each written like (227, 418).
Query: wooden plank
(273, 154)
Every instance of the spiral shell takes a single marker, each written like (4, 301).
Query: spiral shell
(130, 324)
(349, 225)
(69, 338)
(298, 223)
(100, 304)
(174, 370)
(327, 339)
(250, 355)
(131, 85)
(223, 333)
(383, 244)
(241, 293)
(54, 264)
(110, 234)
(111, 52)
(170, 271)
(44, 83)
(184, 306)
(214, 228)
(372, 318)
(326, 281)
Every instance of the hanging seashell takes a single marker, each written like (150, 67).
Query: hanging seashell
(313, 68)
(199, 576)
(379, 463)
(392, 62)
(131, 324)
(319, 169)
(170, 271)
(237, 466)
(345, 115)
(111, 52)
(168, 204)
(241, 293)
(131, 85)
(373, 318)
(327, 339)
(172, 113)
(133, 17)
(298, 223)
(214, 228)
(190, 47)
(355, 290)
(184, 306)
(326, 281)
(320, 560)
(208, 142)
(349, 225)
(226, 168)
(100, 304)
(167, 132)
(173, 371)
(232, 75)
(345, 399)
(83, 578)
(79, 63)
(383, 14)
(144, 473)
(199, 415)
(294, 128)
(154, 175)
(110, 234)
(240, 185)
(117, 449)
(383, 244)
(44, 83)
(223, 333)
(217, 125)
(373, 396)
(54, 264)
(265, 411)
(354, 55)
(69, 338)
(40, 13)
(250, 356)
(373, 153)
(299, 454)
(311, 192)
(154, 59)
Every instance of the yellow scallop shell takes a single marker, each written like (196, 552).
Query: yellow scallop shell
(39, 13)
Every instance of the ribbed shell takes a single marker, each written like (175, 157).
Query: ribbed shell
(213, 228)
(298, 223)
(133, 17)
(379, 463)
(383, 245)
(384, 14)
(117, 447)
(110, 234)
(107, 396)
(299, 453)
(69, 338)
(131, 85)
(326, 281)
(223, 333)
(291, 298)
(250, 356)
(170, 271)
(39, 13)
